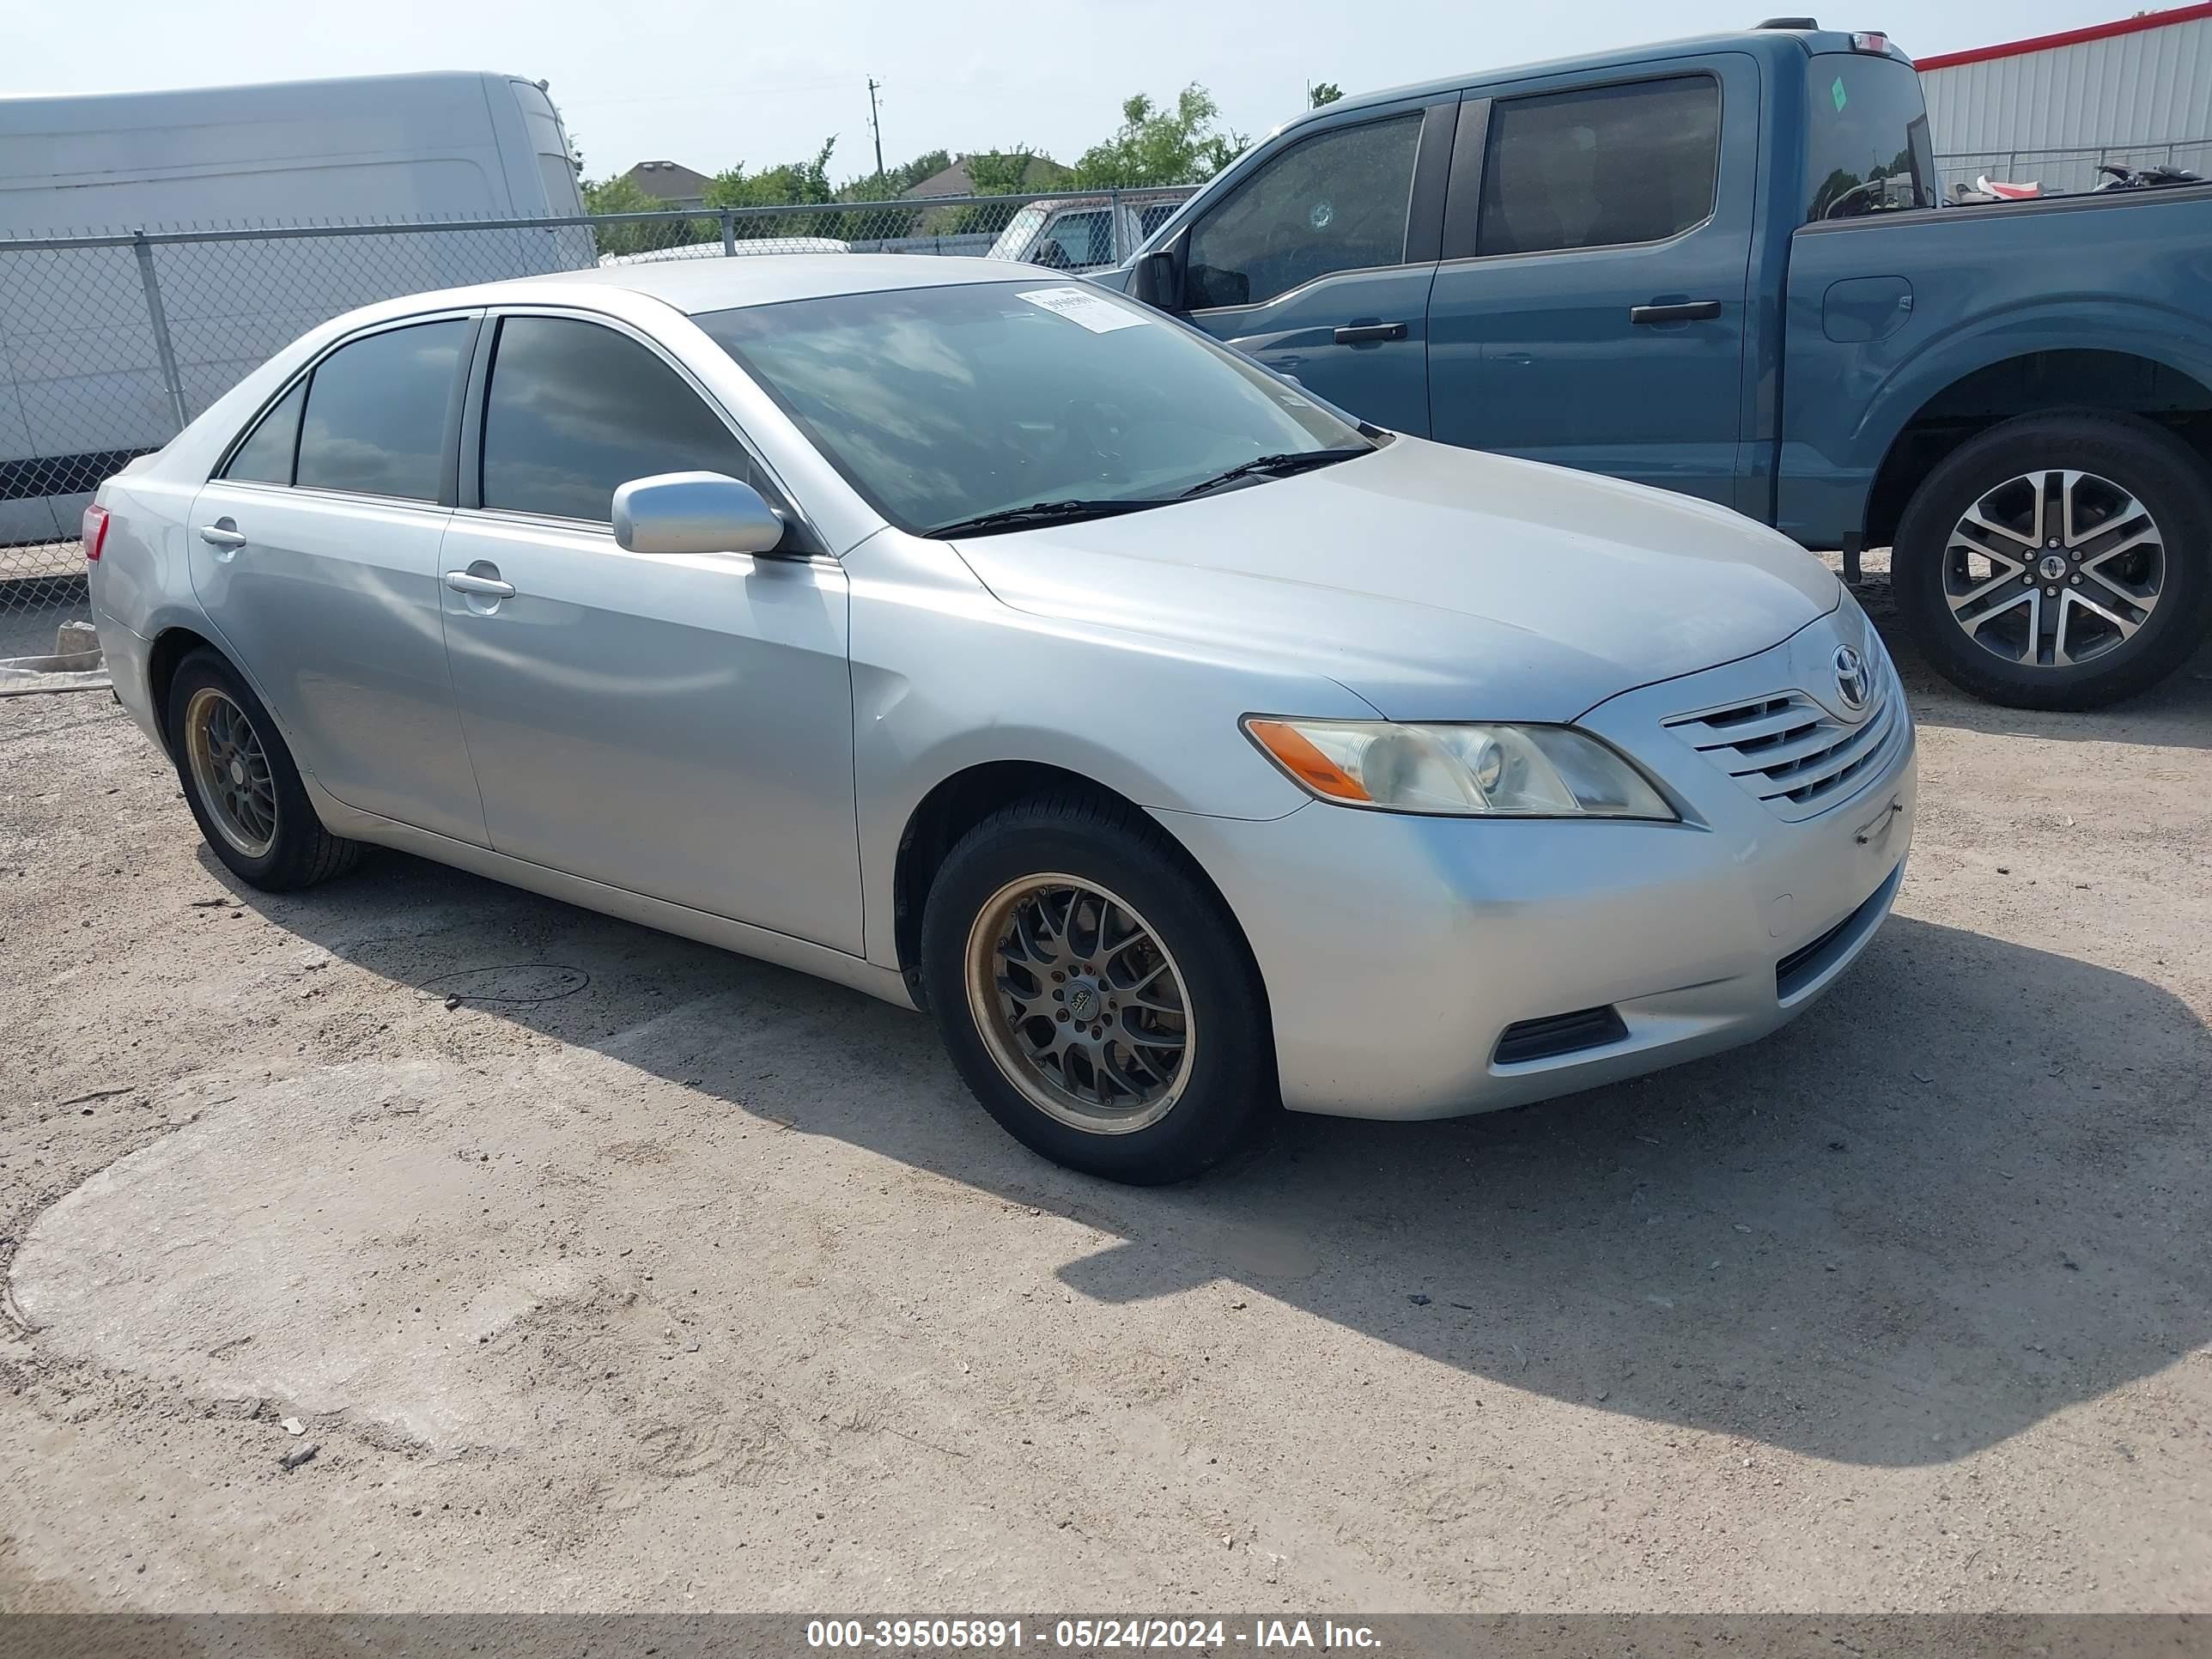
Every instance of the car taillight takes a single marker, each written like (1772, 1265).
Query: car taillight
(95, 530)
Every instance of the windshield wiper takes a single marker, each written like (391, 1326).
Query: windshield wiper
(1017, 517)
(1303, 461)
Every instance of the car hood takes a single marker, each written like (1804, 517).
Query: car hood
(1436, 583)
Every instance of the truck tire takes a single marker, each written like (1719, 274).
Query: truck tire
(2059, 561)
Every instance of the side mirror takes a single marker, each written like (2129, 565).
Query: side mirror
(1158, 279)
(694, 513)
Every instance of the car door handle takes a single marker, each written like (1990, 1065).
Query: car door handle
(216, 535)
(1686, 311)
(484, 587)
(1369, 333)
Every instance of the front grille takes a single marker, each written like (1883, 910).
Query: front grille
(1792, 753)
(1558, 1033)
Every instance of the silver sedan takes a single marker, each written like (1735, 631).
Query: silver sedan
(1002, 649)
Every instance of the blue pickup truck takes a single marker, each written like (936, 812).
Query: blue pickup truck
(1719, 266)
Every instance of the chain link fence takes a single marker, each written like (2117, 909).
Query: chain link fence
(110, 344)
(2068, 172)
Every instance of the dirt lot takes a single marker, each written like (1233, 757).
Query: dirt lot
(643, 1276)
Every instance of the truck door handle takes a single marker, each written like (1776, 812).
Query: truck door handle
(1369, 333)
(484, 587)
(1686, 311)
(222, 535)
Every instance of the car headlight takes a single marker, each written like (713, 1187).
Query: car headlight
(1505, 771)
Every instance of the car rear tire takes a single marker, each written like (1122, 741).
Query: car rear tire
(241, 784)
(2060, 561)
(1096, 993)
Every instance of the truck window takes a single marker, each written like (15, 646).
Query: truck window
(1868, 150)
(1077, 240)
(1338, 201)
(1600, 165)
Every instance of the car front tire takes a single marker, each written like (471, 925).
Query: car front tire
(1095, 992)
(241, 783)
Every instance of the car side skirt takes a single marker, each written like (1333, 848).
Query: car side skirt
(781, 949)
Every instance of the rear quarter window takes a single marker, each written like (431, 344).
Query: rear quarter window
(265, 456)
(1867, 148)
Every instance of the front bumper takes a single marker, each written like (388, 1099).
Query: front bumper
(1397, 950)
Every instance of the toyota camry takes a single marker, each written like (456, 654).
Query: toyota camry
(1004, 649)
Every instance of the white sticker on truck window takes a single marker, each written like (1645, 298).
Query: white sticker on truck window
(1099, 315)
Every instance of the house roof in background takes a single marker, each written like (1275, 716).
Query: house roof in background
(1042, 172)
(2141, 21)
(671, 181)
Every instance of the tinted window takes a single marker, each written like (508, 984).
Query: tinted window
(939, 403)
(1869, 150)
(1335, 202)
(1077, 239)
(575, 410)
(1600, 167)
(376, 412)
(266, 456)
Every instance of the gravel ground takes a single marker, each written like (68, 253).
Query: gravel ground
(604, 1271)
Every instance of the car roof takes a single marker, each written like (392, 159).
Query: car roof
(700, 285)
(1763, 41)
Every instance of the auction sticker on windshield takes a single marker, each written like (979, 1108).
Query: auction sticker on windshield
(1098, 315)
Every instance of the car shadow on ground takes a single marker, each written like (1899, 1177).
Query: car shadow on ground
(1965, 1192)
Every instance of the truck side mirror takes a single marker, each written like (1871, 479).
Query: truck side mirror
(1158, 279)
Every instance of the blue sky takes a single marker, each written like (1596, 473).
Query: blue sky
(712, 83)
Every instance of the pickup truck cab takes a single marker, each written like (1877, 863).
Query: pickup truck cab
(1718, 266)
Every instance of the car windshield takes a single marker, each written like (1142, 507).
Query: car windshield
(942, 405)
(1869, 150)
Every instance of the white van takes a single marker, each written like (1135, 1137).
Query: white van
(82, 384)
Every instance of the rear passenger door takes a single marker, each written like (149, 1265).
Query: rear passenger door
(1591, 309)
(1318, 263)
(314, 552)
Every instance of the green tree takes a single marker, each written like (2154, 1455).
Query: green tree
(790, 184)
(879, 224)
(1000, 172)
(1159, 145)
(1322, 92)
(893, 182)
(620, 195)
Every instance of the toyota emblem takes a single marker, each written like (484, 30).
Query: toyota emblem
(1854, 680)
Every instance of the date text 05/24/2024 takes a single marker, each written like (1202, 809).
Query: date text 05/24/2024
(1095, 1635)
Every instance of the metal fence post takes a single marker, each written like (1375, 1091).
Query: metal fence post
(1114, 232)
(160, 318)
(729, 234)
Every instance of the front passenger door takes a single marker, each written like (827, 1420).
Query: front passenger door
(676, 726)
(1319, 263)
